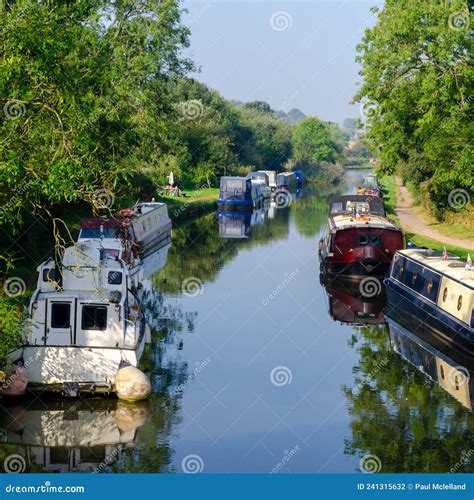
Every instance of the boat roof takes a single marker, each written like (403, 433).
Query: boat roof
(454, 267)
(346, 221)
(338, 204)
(96, 222)
(94, 296)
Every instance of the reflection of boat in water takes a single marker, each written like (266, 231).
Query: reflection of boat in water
(448, 366)
(83, 436)
(355, 302)
(238, 225)
(433, 292)
(358, 239)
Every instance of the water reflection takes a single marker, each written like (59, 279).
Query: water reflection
(79, 436)
(450, 368)
(352, 302)
(238, 224)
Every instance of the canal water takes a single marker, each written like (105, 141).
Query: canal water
(257, 367)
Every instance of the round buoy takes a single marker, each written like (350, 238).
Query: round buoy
(131, 384)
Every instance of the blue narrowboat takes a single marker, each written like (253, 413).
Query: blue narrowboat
(239, 193)
(299, 178)
(432, 292)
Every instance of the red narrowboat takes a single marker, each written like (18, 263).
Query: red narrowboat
(358, 239)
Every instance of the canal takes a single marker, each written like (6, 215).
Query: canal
(257, 367)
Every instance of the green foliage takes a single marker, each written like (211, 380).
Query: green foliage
(418, 91)
(312, 142)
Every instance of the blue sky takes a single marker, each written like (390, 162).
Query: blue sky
(292, 54)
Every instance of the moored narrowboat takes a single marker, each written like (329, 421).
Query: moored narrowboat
(272, 178)
(433, 292)
(260, 181)
(358, 239)
(287, 180)
(238, 193)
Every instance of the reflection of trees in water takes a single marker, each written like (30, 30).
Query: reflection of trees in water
(309, 212)
(198, 251)
(401, 416)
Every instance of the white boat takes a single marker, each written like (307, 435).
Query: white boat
(144, 225)
(85, 319)
(261, 180)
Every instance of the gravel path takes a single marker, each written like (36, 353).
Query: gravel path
(412, 222)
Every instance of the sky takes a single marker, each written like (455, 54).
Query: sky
(291, 54)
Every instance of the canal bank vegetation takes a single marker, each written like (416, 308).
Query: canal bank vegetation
(98, 109)
(417, 98)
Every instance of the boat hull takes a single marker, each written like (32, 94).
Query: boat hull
(417, 314)
(72, 370)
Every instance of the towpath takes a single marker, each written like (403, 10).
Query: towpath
(412, 222)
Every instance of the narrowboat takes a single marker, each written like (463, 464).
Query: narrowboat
(145, 224)
(445, 365)
(358, 238)
(357, 303)
(238, 193)
(85, 319)
(272, 178)
(370, 186)
(433, 292)
(287, 180)
(299, 178)
(260, 180)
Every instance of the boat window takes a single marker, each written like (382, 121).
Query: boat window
(401, 270)
(369, 239)
(442, 371)
(459, 302)
(430, 286)
(357, 206)
(114, 278)
(49, 274)
(94, 317)
(60, 315)
(445, 293)
(337, 208)
(413, 278)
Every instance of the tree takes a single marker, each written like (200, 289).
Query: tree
(416, 95)
(312, 142)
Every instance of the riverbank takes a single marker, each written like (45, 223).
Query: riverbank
(401, 209)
